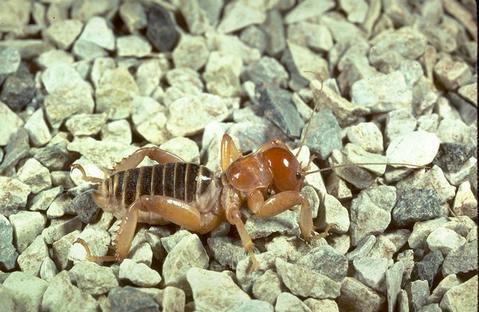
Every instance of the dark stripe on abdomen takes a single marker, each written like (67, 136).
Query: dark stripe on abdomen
(130, 190)
(190, 184)
(145, 183)
(119, 185)
(169, 182)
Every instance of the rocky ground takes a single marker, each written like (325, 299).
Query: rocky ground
(89, 81)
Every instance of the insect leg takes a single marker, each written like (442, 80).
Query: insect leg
(281, 202)
(154, 153)
(229, 152)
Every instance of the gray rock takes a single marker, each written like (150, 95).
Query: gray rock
(421, 231)
(447, 283)
(8, 254)
(188, 253)
(335, 214)
(182, 56)
(367, 135)
(88, 51)
(161, 29)
(357, 297)
(226, 251)
(288, 302)
(452, 156)
(173, 299)
(133, 15)
(214, 291)
(30, 260)
(428, 267)
(86, 124)
(304, 65)
(359, 177)
(462, 297)
(54, 155)
(434, 307)
(428, 123)
(283, 223)
(170, 241)
(383, 248)
(305, 282)
(382, 93)
(9, 61)
(371, 212)
(412, 71)
(398, 123)
(238, 15)
(308, 9)
(416, 205)
(61, 249)
(327, 261)
(324, 133)
(124, 299)
(393, 284)
(61, 294)
(34, 174)
(267, 71)
(115, 92)
(16, 149)
(37, 129)
(267, 287)
(403, 301)
(314, 36)
(139, 274)
(11, 122)
(326, 305)
(18, 89)
(92, 278)
(253, 305)
(27, 290)
(363, 247)
(222, 74)
(453, 130)
(197, 15)
(465, 203)
(418, 292)
(371, 272)
(84, 206)
(13, 195)
(6, 297)
(213, 108)
(63, 32)
(444, 240)
(132, 46)
(255, 37)
(452, 74)
(273, 26)
(26, 226)
(461, 260)
(357, 155)
(97, 31)
(48, 269)
(356, 10)
(59, 228)
(469, 92)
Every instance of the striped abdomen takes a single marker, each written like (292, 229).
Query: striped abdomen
(182, 181)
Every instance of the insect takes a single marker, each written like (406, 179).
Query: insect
(198, 199)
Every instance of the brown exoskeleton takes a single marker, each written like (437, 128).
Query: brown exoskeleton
(197, 199)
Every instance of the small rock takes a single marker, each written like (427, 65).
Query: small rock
(86, 124)
(13, 195)
(367, 135)
(9, 61)
(371, 212)
(97, 239)
(61, 249)
(428, 267)
(314, 36)
(273, 27)
(133, 45)
(225, 251)
(308, 9)
(10, 121)
(454, 130)
(186, 119)
(27, 290)
(88, 51)
(304, 64)
(183, 147)
(382, 93)
(371, 271)
(62, 294)
(428, 123)
(139, 274)
(115, 93)
(356, 10)
(188, 253)
(403, 301)
(239, 14)
(26, 226)
(452, 74)
(421, 231)
(54, 155)
(355, 154)
(97, 31)
(63, 32)
(465, 203)
(118, 131)
(253, 305)
(59, 228)
(469, 92)
(288, 302)
(170, 241)
(363, 248)
(199, 15)
(93, 278)
(191, 52)
(232, 45)
(214, 291)
(133, 15)
(267, 287)
(48, 269)
(18, 90)
(255, 37)
(418, 292)
(416, 205)
(452, 156)
(327, 261)
(267, 71)
(335, 214)
(8, 254)
(33, 173)
(447, 283)
(326, 305)
(399, 122)
(30, 260)
(357, 297)
(393, 281)
(161, 29)
(461, 260)
(283, 223)
(383, 248)
(444, 240)
(324, 133)
(6, 297)
(37, 128)
(173, 299)
(124, 299)
(462, 297)
(222, 74)
(305, 282)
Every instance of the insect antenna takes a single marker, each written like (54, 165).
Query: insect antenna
(84, 176)
(367, 164)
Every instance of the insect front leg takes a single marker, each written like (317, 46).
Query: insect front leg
(281, 202)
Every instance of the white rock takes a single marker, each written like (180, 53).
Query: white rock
(240, 14)
(139, 274)
(35, 174)
(63, 33)
(421, 231)
(444, 240)
(185, 148)
(53, 57)
(308, 9)
(356, 10)
(371, 271)
(97, 31)
(10, 123)
(26, 227)
(118, 130)
(465, 203)
(132, 46)
(335, 214)
(61, 76)
(417, 148)
(367, 135)
(191, 52)
(86, 124)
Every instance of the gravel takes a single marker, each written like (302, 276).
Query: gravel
(89, 82)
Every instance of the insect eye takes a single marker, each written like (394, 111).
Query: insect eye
(298, 175)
